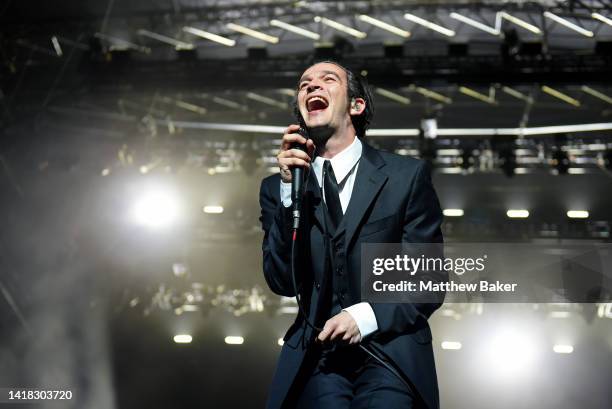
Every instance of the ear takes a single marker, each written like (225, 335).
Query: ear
(358, 105)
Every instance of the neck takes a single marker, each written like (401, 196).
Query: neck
(339, 141)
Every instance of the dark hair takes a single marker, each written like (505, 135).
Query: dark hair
(357, 87)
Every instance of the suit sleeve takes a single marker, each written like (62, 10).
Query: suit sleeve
(422, 220)
(276, 221)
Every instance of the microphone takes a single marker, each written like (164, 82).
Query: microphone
(297, 183)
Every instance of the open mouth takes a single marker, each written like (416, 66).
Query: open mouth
(316, 103)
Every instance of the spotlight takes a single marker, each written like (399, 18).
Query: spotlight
(234, 340)
(510, 353)
(451, 345)
(563, 349)
(578, 214)
(452, 212)
(155, 209)
(183, 339)
(517, 213)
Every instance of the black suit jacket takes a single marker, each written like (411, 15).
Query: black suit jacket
(393, 201)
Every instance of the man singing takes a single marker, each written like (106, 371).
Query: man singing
(354, 194)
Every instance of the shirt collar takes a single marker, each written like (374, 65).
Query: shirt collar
(342, 163)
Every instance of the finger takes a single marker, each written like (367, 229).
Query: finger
(286, 163)
(325, 333)
(293, 128)
(338, 331)
(294, 153)
(291, 138)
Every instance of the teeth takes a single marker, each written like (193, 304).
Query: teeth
(310, 100)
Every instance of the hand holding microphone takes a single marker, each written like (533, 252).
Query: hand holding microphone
(289, 157)
(294, 157)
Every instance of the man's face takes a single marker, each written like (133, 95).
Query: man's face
(323, 97)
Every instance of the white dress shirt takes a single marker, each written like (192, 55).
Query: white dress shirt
(345, 165)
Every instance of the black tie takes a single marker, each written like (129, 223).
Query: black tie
(332, 196)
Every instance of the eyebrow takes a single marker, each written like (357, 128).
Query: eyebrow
(325, 72)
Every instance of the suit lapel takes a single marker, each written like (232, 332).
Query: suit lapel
(368, 182)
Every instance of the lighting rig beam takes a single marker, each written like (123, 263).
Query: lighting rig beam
(596, 94)
(295, 29)
(253, 33)
(476, 24)
(392, 96)
(560, 95)
(428, 24)
(489, 99)
(568, 24)
(178, 45)
(121, 44)
(385, 26)
(521, 23)
(517, 94)
(433, 95)
(341, 27)
(602, 18)
(210, 36)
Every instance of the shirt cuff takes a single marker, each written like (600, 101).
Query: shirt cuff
(285, 194)
(363, 314)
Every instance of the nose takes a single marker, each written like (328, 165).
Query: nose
(313, 86)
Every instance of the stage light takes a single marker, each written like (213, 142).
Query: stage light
(563, 349)
(517, 213)
(178, 45)
(475, 24)
(392, 96)
(280, 342)
(341, 27)
(156, 209)
(602, 18)
(451, 345)
(428, 24)
(385, 26)
(452, 212)
(520, 23)
(253, 33)
(510, 352)
(105, 172)
(296, 30)
(560, 95)
(213, 209)
(596, 94)
(568, 24)
(183, 339)
(578, 214)
(234, 340)
(210, 36)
